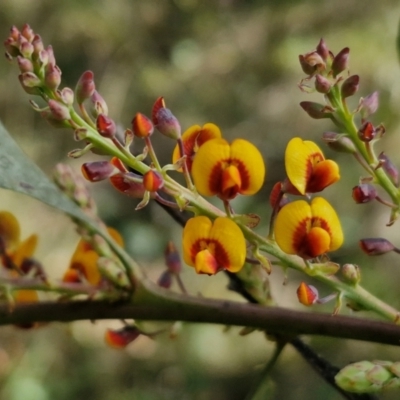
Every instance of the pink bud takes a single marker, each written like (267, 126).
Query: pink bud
(99, 103)
(50, 53)
(37, 46)
(52, 77)
(27, 32)
(172, 259)
(369, 105)
(85, 87)
(168, 124)
(311, 63)
(322, 50)
(339, 142)
(389, 168)
(322, 84)
(67, 95)
(315, 110)
(24, 64)
(30, 80)
(58, 110)
(376, 246)
(26, 49)
(350, 86)
(340, 61)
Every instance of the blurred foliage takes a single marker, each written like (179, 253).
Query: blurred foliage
(231, 62)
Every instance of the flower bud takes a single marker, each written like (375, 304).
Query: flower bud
(350, 86)
(159, 103)
(52, 77)
(376, 246)
(316, 110)
(367, 132)
(322, 84)
(172, 259)
(85, 87)
(67, 95)
(29, 80)
(27, 32)
(24, 64)
(364, 193)
(340, 62)
(369, 105)
(168, 124)
(165, 279)
(127, 186)
(50, 54)
(98, 170)
(26, 49)
(351, 273)
(58, 110)
(153, 180)
(43, 58)
(100, 106)
(322, 49)
(390, 169)
(106, 126)
(307, 294)
(37, 46)
(311, 63)
(339, 142)
(119, 339)
(142, 126)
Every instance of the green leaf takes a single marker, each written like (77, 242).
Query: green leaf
(19, 174)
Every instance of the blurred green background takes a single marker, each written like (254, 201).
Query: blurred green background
(234, 63)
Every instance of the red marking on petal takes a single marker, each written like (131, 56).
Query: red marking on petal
(215, 248)
(306, 294)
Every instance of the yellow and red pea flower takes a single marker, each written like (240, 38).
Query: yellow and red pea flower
(227, 170)
(307, 294)
(307, 168)
(15, 252)
(308, 230)
(84, 261)
(210, 247)
(119, 339)
(192, 139)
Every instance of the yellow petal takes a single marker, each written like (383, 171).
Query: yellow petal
(193, 138)
(24, 250)
(208, 165)
(9, 230)
(251, 165)
(292, 223)
(196, 230)
(325, 216)
(299, 160)
(230, 250)
(86, 263)
(26, 296)
(205, 263)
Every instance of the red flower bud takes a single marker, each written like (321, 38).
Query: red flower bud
(52, 77)
(127, 186)
(340, 62)
(322, 49)
(367, 132)
(99, 103)
(106, 126)
(98, 170)
(159, 103)
(350, 86)
(307, 294)
(311, 63)
(165, 279)
(364, 193)
(142, 126)
(153, 180)
(120, 338)
(85, 87)
(376, 246)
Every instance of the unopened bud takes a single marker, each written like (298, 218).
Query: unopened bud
(153, 180)
(172, 259)
(165, 279)
(67, 95)
(168, 124)
(390, 169)
(364, 193)
(340, 62)
(59, 111)
(307, 294)
(376, 246)
(43, 58)
(50, 53)
(85, 87)
(119, 339)
(311, 63)
(339, 142)
(350, 86)
(159, 103)
(52, 77)
(322, 84)
(29, 80)
(106, 126)
(26, 49)
(142, 126)
(367, 132)
(98, 170)
(351, 273)
(316, 110)
(37, 46)
(24, 64)
(322, 49)
(27, 32)
(369, 105)
(100, 106)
